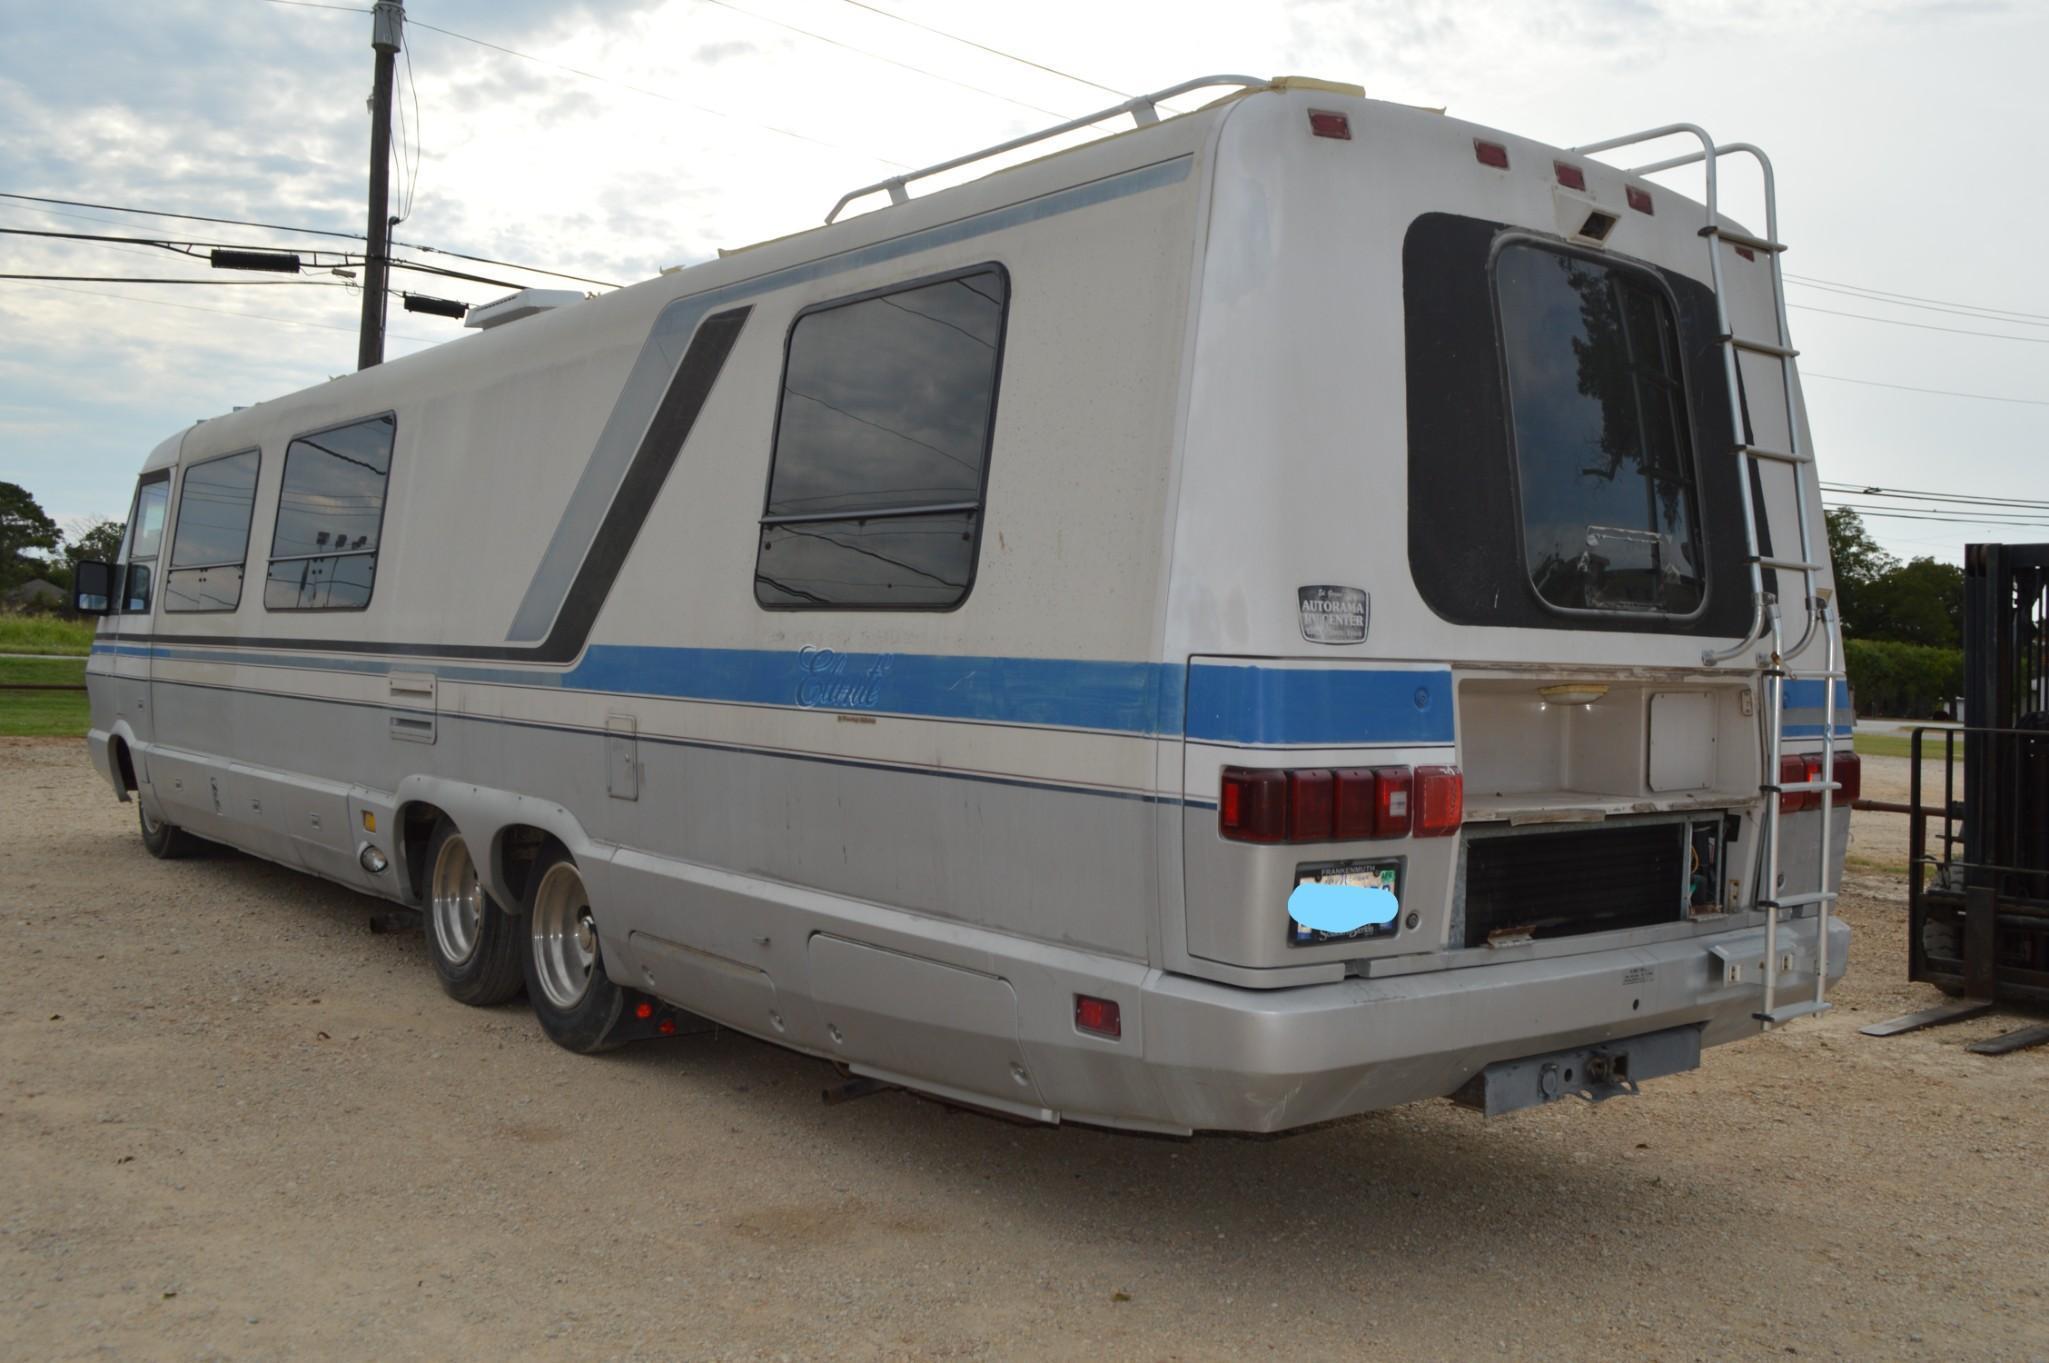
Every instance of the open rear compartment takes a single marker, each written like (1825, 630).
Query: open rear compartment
(1594, 806)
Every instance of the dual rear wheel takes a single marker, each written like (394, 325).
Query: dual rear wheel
(485, 955)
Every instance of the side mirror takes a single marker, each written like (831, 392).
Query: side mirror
(92, 587)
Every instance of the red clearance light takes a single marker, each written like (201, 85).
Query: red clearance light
(1392, 789)
(1850, 776)
(1324, 123)
(667, 1027)
(1491, 154)
(1572, 177)
(1098, 1017)
(1310, 806)
(1440, 804)
(1746, 253)
(643, 1010)
(1253, 806)
(1640, 199)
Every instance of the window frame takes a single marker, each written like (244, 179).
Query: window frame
(249, 531)
(979, 508)
(383, 511)
(124, 556)
(1690, 456)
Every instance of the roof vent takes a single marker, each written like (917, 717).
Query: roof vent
(514, 306)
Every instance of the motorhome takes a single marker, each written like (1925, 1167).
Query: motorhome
(1261, 614)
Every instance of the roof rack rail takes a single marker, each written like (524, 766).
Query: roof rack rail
(1140, 107)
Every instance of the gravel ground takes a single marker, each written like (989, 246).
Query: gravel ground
(236, 1124)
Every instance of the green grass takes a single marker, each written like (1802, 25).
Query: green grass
(43, 714)
(44, 634)
(1902, 745)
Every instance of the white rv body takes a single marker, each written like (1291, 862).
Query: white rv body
(910, 840)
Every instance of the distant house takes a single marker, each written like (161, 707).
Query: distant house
(34, 592)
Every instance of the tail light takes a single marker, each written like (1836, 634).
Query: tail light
(1850, 776)
(1792, 771)
(1354, 804)
(1440, 801)
(1098, 1017)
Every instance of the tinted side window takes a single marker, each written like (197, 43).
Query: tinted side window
(1603, 444)
(882, 446)
(145, 542)
(212, 536)
(323, 553)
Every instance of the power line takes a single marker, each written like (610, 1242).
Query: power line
(655, 94)
(1865, 296)
(1859, 490)
(993, 51)
(219, 312)
(1922, 326)
(1910, 297)
(877, 56)
(1910, 388)
(307, 231)
(216, 283)
(319, 4)
(1937, 520)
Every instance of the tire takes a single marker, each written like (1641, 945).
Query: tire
(474, 943)
(165, 841)
(575, 1000)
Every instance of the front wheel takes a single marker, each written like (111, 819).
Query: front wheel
(575, 1000)
(165, 841)
(474, 943)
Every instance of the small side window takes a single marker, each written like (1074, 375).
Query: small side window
(330, 512)
(144, 543)
(211, 541)
(875, 491)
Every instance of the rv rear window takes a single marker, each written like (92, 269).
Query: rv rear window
(330, 510)
(1603, 447)
(882, 447)
(211, 541)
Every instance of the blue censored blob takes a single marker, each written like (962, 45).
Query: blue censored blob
(1341, 908)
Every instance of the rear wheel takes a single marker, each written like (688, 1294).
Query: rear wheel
(164, 840)
(475, 944)
(575, 1000)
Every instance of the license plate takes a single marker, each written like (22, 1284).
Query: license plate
(1370, 875)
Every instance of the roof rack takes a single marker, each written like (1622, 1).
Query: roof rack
(1140, 107)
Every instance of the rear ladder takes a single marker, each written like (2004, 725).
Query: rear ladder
(1773, 662)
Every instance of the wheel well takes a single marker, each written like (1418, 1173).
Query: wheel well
(124, 765)
(519, 845)
(415, 830)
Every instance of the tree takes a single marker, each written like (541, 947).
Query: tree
(1921, 602)
(1859, 564)
(99, 540)
(23, 526)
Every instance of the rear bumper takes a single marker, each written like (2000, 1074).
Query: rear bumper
(1248, 1060)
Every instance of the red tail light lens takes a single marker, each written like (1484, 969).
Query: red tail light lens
(1354, 804)
(1310, 801)
(1098, 1017)
(1639, 199)
(1357, 804)
(1440, 801)
(643, 1010)
(1850, 776)
(1491, 154)
(1253, 806)
(1796, 770)
(1571, 176)
(1392, 802)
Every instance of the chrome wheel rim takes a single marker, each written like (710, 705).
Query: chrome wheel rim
(565, 936)
(457, 901)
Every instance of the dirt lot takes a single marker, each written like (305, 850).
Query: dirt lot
(236, 1124)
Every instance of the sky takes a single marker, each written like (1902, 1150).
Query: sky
(612, 138)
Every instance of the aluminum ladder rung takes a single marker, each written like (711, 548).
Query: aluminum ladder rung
(1784, 352)
(1786, 1012)
(1789, 565)
(1779, 456)
(1736, 238)
(1799, 901)
(1799, 788)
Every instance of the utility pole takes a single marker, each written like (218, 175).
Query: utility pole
(387, 26)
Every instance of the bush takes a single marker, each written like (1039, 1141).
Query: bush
(44, 634)
(1912, 681)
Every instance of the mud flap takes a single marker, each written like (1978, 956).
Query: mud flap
(1595, 1073)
